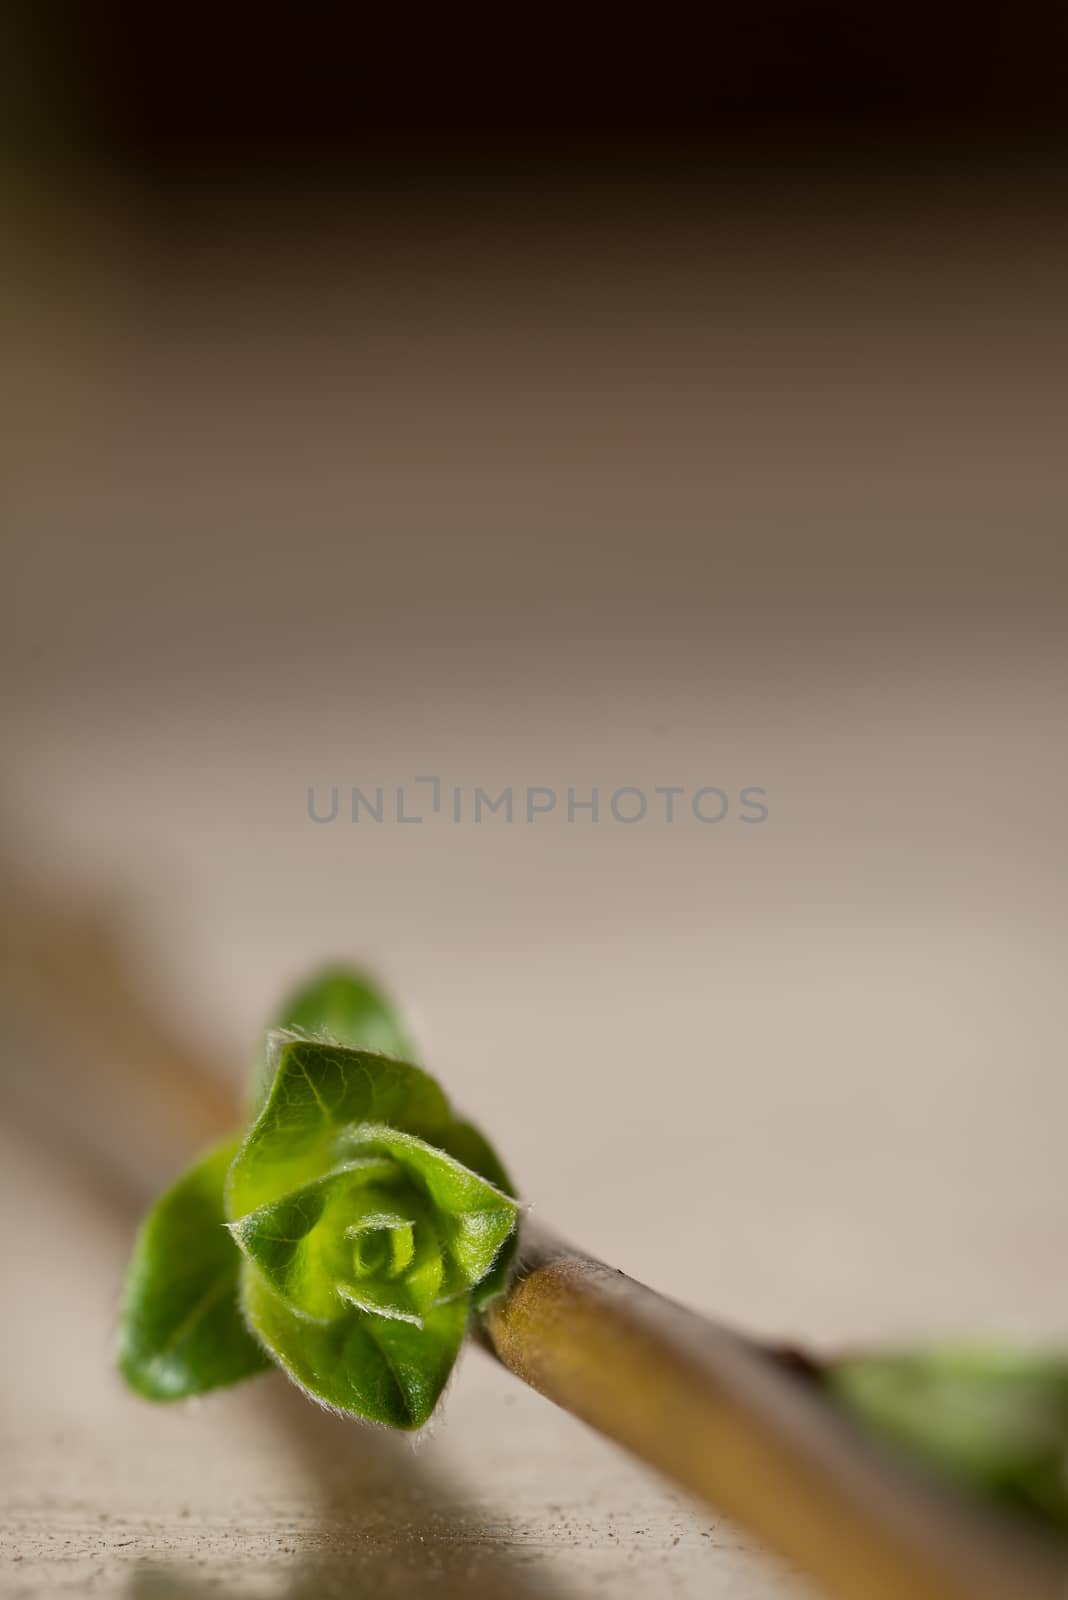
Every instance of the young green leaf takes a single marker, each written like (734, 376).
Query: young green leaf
(319, 1093)
(378, 1368)
(394, 1229)
(464, 1141)
(343, 1007)
(358, 1220)
(993, 1420)
(181, 1330)
(363, 1238)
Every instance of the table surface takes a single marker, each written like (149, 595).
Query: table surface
(772, 500)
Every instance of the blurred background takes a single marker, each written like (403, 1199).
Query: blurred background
(575, 405)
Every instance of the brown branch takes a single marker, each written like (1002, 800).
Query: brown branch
(752, 1436)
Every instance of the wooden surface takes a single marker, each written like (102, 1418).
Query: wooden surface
(772, 496)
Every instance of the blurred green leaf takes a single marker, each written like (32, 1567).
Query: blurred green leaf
(993, 1420)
